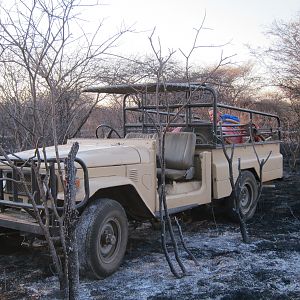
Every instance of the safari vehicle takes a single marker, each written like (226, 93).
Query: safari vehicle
(120, 177)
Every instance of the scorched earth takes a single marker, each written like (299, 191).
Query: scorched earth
(267, 268)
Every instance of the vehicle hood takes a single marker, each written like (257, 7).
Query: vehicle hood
(94, 154)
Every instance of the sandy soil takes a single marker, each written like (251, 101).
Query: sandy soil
(267, 268)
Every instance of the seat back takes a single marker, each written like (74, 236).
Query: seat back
(139, 135)
(179, 150)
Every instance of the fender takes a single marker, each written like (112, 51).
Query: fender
(105, 183)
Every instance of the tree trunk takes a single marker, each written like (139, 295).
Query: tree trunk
(71, 217)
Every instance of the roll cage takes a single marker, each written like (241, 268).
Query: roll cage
(147, 103)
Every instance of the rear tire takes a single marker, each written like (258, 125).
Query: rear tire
(102, 235)
(247, 197)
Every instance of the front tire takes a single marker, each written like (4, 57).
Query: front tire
(102, 235)
(247, 197)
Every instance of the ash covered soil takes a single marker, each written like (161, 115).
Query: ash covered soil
(267, 268)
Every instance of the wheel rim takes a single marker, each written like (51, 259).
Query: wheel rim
(246, 198)
(109, 240)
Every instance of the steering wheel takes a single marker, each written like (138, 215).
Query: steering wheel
(108, 135)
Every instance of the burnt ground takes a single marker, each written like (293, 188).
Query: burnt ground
(267, 268)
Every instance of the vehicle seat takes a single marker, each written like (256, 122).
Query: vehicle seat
(139, 135)
(179, 155)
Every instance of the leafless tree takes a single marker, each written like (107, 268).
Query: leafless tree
(44, 66)
(43, 56)
(236, 84)
(228, 151)
(67, 268)
(282, 57)
(235, 185)
(159, 70)
(282, 62)
(134, 69)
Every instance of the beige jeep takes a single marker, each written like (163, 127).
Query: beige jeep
(118, 178)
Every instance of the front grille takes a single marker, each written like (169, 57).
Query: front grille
(20, 187)
(16, 189)
(13, 192)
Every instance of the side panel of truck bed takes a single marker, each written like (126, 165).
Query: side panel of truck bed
(273, 169)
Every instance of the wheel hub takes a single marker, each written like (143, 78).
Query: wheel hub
(108, 238)
(244, 196)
